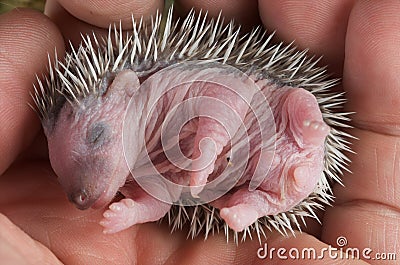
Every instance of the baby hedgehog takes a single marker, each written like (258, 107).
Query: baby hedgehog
(194, 123)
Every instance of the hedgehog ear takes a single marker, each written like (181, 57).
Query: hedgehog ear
(125, 82)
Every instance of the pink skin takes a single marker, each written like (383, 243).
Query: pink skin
(86, 148)
(211, 135)
(138, 207)
(84, 137)
(304, 122)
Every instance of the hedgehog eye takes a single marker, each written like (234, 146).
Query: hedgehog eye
(97, 134)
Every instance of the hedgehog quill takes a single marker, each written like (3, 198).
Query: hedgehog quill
(194, 123)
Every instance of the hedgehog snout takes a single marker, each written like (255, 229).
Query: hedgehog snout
(81, 199)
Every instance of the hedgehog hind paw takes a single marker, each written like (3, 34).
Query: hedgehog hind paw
(239, 217)
(314, 132)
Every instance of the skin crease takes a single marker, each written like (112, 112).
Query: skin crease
(366, 211)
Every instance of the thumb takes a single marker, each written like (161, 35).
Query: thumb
(16, 247)
(25, 38)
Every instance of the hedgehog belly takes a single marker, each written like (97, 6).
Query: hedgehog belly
(247, 147)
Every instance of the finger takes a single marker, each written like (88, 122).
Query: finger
(367, 210)
(16, 247)
(244, 12)
(26, 37)
(372, 67)
(317, 25)
(101, 13)
(75, 17)
(70, 26)
(75, 236)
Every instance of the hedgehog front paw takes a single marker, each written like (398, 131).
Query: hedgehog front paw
(119, 216)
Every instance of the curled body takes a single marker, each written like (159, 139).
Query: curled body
(193, 116)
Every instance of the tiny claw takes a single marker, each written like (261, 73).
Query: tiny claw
(115, 207)
(104, 222)
(108, 214)
(119, 216)
(314, 132)
(107, 231)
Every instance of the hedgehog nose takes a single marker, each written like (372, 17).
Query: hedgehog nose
(81, 199)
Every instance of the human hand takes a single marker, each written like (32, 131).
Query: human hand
(32, 199)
